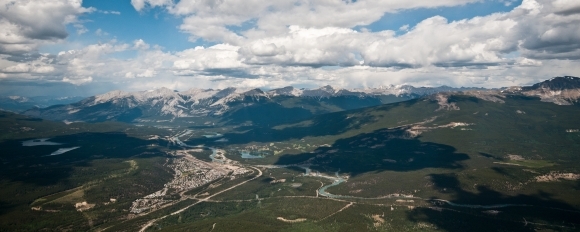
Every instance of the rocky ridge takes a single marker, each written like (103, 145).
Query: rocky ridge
(164, 102)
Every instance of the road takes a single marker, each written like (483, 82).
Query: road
(150, 223)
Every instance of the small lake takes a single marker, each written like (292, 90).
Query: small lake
(248, 155)
(38, 142)
(213, 155)
(213, 136)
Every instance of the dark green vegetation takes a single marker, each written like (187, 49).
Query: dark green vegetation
(477, 153)
(453, 163)
(39, 191)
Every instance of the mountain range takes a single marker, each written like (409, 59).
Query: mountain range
(19, 103)
(238, 105)
(445, 160)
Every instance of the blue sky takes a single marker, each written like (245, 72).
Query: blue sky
(154, 26)
(394, 21)
(94, 46)
(157, 26)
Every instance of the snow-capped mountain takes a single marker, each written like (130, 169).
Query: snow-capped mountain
(237, 104)
(164, 102)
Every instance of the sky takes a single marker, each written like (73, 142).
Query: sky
(83, 48)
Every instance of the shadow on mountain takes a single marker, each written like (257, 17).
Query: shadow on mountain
(486, 155)
(97, 113)
(28, 172)
(36, 165)
(385, 149)
(317, 126)
(502, 171)
(267, 114)
(30, 119)
(509, 213)
(320, 125)
(5, 207)
(355, 102)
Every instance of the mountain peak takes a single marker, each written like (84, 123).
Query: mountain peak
(109, 95)
(254, 92)
(557, 83)
(328, 88)
(286, 91)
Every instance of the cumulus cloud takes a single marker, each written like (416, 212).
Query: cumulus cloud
(81, 66)
(109, 12)
(140, 45)
(28, 68)
(214, 60)
(95, 61)
(77, 80)
(26, 23)
(320, 32)
(566, 7)
(41, 64)
(305, 46)
(309, 43)
(140, 5)
(210, 20)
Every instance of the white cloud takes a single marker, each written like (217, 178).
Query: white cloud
(77, 80)
(210, 19)
(140, 5)
(305, 46)
(19, 68)
(100, 32)
(109, 12)
(26, 23)
(147, 73)
(301, 43)
(27, 68)
(140, 45)
(404, 27)
(95, 61)
(320, 34)
(566, 7)
(214, 59)
(41, 65)
(81, 29)
(507, 2)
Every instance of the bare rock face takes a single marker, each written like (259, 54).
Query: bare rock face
(556, 83)
(169, 104)
(558, 90)
(164, 102)
(487, 95)
(444, 104)
(557, 176)
(83, 206)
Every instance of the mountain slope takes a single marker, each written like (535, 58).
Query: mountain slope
(492, 157)
(255, 106)
(19, 104)
(207, 105)
(559, 90)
